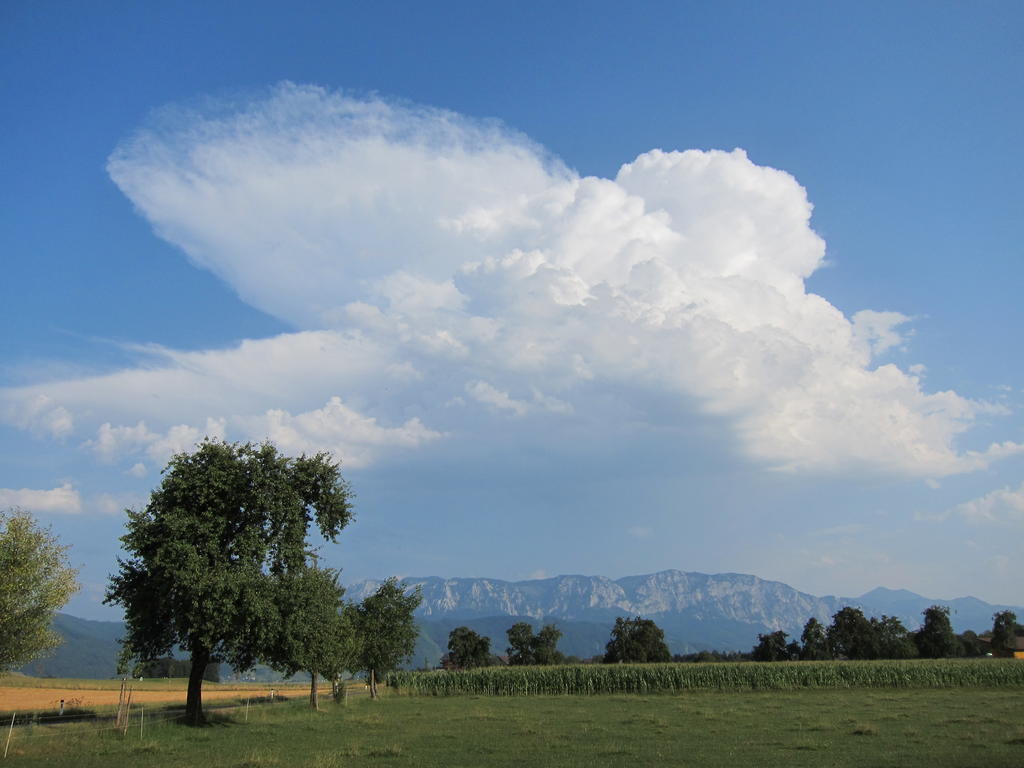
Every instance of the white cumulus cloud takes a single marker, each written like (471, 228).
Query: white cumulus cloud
(431, 263)
(355, 439)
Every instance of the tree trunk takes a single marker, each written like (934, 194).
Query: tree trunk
(373, 684)
(314, 698)
(194, 701)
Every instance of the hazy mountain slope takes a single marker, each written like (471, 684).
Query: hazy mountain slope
(90, 649)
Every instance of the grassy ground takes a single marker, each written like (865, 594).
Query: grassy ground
(973, 727)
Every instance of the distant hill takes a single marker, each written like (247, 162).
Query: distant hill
(90, 649)
(697, 611)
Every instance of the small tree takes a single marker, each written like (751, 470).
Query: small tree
(35, 580)
(935, 639)
(772, 647)
(386, 629)
(526, 648)
(968, 644)
(813, 642)
(467, 649)
(520, 644)
(204, 555)
(314, 633)
(1004, 626)
(636, 641)
(545, 646)
(893, 639)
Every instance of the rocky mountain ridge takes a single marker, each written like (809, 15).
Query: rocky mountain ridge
(698, 602)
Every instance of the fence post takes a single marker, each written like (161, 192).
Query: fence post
(247, 709)
(142, 719)
(9, 733)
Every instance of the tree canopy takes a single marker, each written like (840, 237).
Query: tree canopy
(893, 641)
(35, 580)
(852, 635)
(935, 639)
(386, 629)
(1004, 626)
(636, 641)
(773, 647)
(314, 631)
(204, 553)
(814, 642)
(525, 648)
(467, 649)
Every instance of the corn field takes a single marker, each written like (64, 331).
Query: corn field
(664, 678)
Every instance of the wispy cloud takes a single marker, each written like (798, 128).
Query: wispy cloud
(1004, 506)
(61, 500)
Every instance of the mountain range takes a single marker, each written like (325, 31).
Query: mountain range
(697, 611)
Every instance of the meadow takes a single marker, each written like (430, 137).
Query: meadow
(974, 726)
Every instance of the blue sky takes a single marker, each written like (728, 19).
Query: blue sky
(575, 289)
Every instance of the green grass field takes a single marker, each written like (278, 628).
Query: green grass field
(857, 727)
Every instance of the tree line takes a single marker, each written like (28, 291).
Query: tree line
(852, 635)
(633, 641)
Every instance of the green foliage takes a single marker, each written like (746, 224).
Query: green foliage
(526, 649)
(385, 629)
(1004, 626)
(636, 641)
(893, 641)
(773, 647)
(851, 635)
(35, 580)
(314, 631)
(661, 678)
(969, 645)
(467, 649)
(204, 554)
(814, 642)
(935, 639)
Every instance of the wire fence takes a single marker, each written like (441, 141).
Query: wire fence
(138, 721)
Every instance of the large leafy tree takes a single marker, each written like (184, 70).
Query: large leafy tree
(1004, 626)
(386, 629)
(204, 555)
(935, 639)
(35, 580)
(467, 649)
(852, 635)
(636, 641)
